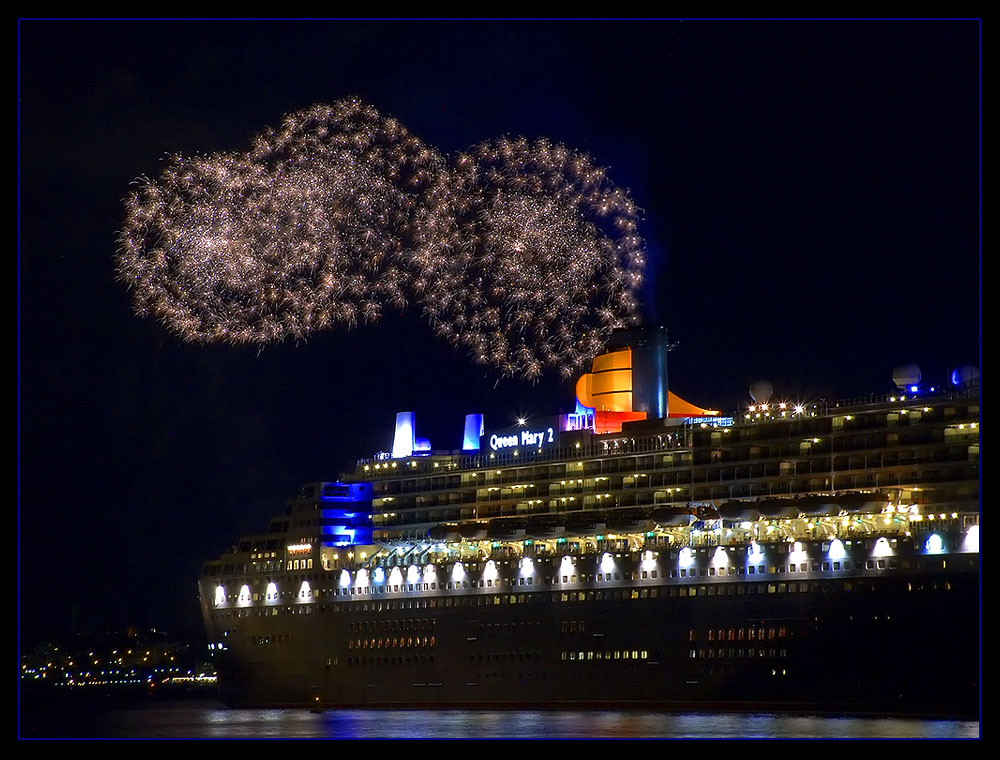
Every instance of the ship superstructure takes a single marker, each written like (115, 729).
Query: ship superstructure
(801, 556)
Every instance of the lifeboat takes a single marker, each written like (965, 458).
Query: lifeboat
(819, 506)
(778, 508)
(628, 522)
(507, 529)
(444, 533)
(862, 503)
(546, 527)
(739, 511)
(586, 524)
(472, 531)
(672, 516)
(709, 513)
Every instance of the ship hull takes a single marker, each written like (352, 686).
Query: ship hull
(820, 558)
(880, 641)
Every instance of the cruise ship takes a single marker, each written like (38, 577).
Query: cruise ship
(641, 551)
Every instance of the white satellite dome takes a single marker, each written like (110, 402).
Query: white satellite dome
(761, 391)
(964, 375)
(906, 375)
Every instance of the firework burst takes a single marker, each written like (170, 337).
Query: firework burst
(312, 228)
(545, 258)
(523, 254)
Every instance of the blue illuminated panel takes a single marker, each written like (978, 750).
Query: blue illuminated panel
(403, 439)
(711, 421)
(472, 432)
(346, 514)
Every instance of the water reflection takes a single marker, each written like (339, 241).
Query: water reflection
(187, 719)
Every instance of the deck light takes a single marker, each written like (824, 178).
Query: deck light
(648, 561)
(837, 551)
(798, 554)
(490, 572)
(882, 548)
(971, 543)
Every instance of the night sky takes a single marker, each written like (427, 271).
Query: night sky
(810, 196)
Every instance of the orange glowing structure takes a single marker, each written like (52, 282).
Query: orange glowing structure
(608, 390)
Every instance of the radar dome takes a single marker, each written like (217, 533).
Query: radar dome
(906, 375)
(964, 375)
(761, 391)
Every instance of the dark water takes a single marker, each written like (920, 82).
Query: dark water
(197, 719)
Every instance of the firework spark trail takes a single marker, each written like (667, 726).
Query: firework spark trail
(522, 254)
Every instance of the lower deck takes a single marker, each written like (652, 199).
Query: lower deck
(901, 638)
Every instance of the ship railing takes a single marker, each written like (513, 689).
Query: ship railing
(631, 444)
(702, 535)
(678, 438)
(843, 523)
(825, 407)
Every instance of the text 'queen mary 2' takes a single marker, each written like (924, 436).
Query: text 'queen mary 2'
(641, 551)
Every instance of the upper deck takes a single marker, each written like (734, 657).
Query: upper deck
(916, 451)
